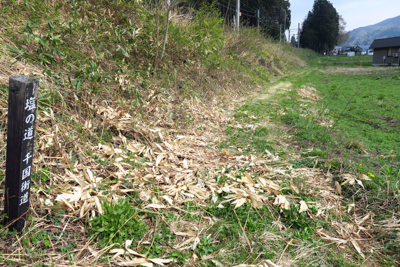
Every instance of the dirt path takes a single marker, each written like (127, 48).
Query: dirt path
(271, 92)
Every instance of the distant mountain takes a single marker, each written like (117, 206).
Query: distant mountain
(366, 35)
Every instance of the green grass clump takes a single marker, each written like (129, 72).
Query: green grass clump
(119, 223)
(306, 128)
(266, 241)
(248, 140)
(228, 231)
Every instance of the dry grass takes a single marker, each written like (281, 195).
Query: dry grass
(360, 70)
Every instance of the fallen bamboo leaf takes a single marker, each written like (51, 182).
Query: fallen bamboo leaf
(294, 188)
(338, 188)
(349, 179)
(128, 243)
(363, 219)
(239, 202)
(64, 201)
(282, 202)
(196, 241)
(269, 263)
(190, 233)
(159, 158)
(145, 195)
(357, 247)
(155, 206)
(268, 184)
(247, 179)
(168, 199)
(185, 164)
(117, 252)
(135, 262)
(217, 263)
(363, 177)
(303, 206)
(161, 261)
(98, 205)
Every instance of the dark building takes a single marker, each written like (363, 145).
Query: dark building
(386, 51)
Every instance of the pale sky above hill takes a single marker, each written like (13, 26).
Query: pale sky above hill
(357, 13)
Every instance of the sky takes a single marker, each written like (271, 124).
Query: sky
(357, 13)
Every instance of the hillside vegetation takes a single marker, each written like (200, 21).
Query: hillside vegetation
(127, 138)
(366, 35)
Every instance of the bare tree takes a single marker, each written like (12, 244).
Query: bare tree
(170, 4)
(154, 8)
(343, 34)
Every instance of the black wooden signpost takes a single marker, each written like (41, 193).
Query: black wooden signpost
(22, 102)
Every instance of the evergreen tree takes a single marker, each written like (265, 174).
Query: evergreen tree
(293, 41)
(320, 31)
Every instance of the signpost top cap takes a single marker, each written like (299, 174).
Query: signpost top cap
(16, 82)
(23, 79)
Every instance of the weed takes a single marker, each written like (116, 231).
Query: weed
(307, 129)
(302, 225)
(180, 256)
(261, 132)
(119, 223)
(356, 145)
(205, 247)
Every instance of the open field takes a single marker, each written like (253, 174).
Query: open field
(359, 110)
(348, 121)
(346, 61)
(344, 121)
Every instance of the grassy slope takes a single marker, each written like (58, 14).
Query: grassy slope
(115, 121)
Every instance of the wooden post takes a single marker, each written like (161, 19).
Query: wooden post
(22, 102)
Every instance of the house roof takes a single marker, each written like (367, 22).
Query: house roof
(386, 42)
(364, 47)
